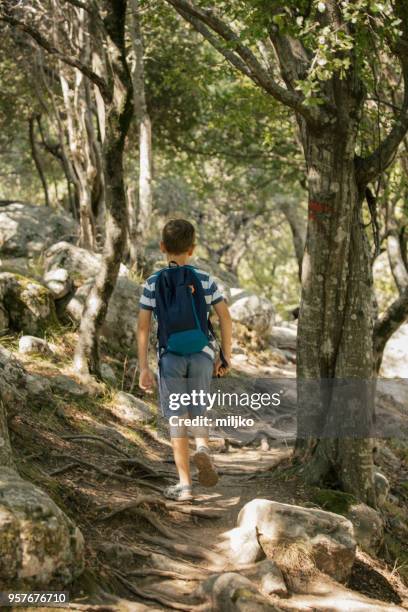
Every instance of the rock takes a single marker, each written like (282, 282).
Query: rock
(58, 282)
(241, 545)
(368, 527)
(27, 230)
(29, 305)
(231, 592)
(279, 357)
(38, 389)
(108, 375)
(395, 357)
(130, 409)
(81, 264)
(382, 487)
(67, 386)
(329, 537)
(251, 310)
(31, 344)
(119, 329)
(282, 337)
(40, 546)
(269, 577)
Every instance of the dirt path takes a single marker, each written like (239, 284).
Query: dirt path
(152, 554)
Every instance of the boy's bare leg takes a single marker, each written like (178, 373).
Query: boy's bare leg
(182, 458)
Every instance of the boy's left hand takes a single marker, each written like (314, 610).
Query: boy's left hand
(220, 368)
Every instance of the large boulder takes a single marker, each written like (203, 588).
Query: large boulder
(40, 546)
(283, 337)
(81, 264)
(395, 358)
(119, 328)
(26, 304)
(368, 527)
(26, 230)
(130, 409)
(328, 537)
(253, 311)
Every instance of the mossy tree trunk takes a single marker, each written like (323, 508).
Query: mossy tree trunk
(337, 314)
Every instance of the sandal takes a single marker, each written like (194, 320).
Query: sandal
(178, 492)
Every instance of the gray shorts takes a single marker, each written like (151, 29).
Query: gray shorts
(189, 375)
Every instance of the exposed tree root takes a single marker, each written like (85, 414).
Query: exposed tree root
(79, 437)
(167, 533)
(108, 473)
(210, 513)
(196, 552)
(149, 595)
(145, 467)
(150, 500)
(152, 571)
(62, 469)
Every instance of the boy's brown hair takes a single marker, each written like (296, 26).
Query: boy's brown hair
(178, 236)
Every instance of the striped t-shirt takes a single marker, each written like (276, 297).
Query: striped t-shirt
(211, 292)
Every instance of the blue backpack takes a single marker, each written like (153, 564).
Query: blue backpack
(181, 311)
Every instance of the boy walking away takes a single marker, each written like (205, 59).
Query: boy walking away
(181, 297)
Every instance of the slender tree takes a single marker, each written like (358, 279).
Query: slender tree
(108, 71)
(314, 58)
(145, 195)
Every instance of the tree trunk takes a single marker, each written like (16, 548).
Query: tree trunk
(118, 116)
(336, 318)
(297, 227)
(145, 204)
(37, 160)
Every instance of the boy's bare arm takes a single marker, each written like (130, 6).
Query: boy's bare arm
(146, 377)
(224, 317)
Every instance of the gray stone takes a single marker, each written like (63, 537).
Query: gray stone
(40, 546)
(58, 282)
(282, 337)
(328, 536)
(119, 329)
(241, 545)
(368, 527)
(67, 386)
(26, 230)
(251, 310)
(38, 389)
(32, 344)
(108, 375)
(81, 264)
(130, 409)
(29, 304)
(231, 592)
(269, 577)
(395, 357)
